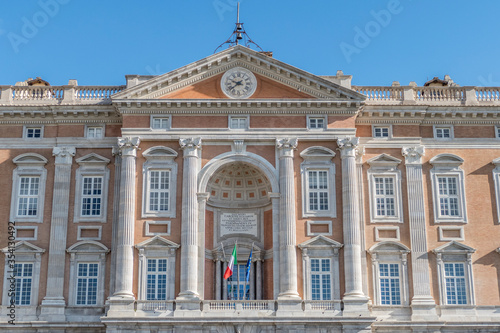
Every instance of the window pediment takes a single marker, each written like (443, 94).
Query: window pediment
(157, 242)
(320, 242)
(28, 159)
(383, 160)
(317, 153)
(454, 247)
(447, 161)
(160, 153)
(92, 159)
(24, 247)
(88, 247)
(389, 247)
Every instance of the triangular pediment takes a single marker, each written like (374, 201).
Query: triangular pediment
(24, 248)
(383, 160)
(201, 80)
(157, 242)
(320, 242)
(92, 159)
(454, 247)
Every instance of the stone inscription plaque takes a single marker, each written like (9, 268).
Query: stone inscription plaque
(238, 223)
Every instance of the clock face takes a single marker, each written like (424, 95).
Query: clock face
(238, 83)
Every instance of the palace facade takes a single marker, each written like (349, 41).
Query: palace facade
(363, 208)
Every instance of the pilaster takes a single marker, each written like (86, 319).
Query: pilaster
(53, 304)
(422, 304)
(288, 255)
(355, 301)
(122, 302)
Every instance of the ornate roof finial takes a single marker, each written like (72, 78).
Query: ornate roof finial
(239, 35)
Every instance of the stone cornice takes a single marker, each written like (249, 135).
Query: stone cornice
(429, 115)
(224, 106)
(44, 114)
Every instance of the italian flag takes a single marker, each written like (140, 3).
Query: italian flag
(230, 264)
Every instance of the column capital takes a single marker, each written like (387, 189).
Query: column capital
(413, 155)
(190, 146)
(203, 196)
(348, 146)
(360, 151)
(286, 146)
(64, 155)
(116, 151)
(129, 145)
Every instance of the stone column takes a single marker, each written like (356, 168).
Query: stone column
(115, 218)
(189, 224)
(218, 277)
(125, 239)
(53, 303)
(202, 204)
(355, 301)
(288, 255)
(224, 281)
(359, 171)
(275, 200)
(258, 277)
(422, 303)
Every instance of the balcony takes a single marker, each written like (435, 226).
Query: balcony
(243, 308)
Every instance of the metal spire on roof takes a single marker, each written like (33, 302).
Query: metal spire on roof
(239, 34)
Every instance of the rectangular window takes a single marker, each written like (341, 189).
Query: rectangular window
(448, 196)
(23, 273)
(385, 196)
(380, 131)
(94, 132)
(28, 196)
(238, 122)
(442, 132)
(456, 290)
(316, 123)
(160, 123)
(390, 290)
(321, 287)
(238, 288)
(159, 191)
(318, 190)
(33, 132)
(156, 288)
(92, 196)
(86, 292)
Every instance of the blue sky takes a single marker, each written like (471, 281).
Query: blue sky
(98, 42)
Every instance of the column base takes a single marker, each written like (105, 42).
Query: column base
(355, 306)
(290, 308)
(53, 309)
(187, 308)
(120, 306)
(423, 308)
(188, 296)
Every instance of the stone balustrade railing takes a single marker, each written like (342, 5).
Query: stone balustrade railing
(55, 95)
(407, 95)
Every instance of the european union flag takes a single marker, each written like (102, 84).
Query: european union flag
(249, 262)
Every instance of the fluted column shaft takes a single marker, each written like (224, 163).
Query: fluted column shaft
(126, 217)
(418, 233)
(189, 224)
(59, 222)
(115, 220)
(351, 224)
(288, 256)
